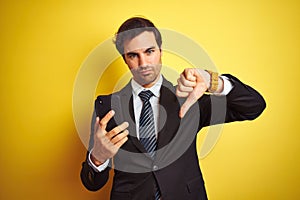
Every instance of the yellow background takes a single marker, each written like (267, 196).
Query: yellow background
(43, 44)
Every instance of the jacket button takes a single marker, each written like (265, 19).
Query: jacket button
(155, 167)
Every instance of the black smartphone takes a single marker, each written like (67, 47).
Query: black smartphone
(117, 107)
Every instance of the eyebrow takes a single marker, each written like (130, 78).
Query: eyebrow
(135, 53)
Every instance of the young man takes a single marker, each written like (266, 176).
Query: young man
(151, 134)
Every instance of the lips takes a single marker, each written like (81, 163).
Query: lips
(145, 72)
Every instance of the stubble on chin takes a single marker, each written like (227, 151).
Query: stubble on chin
(148, 79)
(145, 79)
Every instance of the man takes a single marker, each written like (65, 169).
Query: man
(148, 129)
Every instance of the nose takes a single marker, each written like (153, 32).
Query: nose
(142, 60)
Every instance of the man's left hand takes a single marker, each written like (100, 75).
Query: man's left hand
(192, 84)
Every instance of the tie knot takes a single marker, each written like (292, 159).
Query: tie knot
(145, 95)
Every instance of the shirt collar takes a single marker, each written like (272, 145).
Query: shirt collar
(155, 89)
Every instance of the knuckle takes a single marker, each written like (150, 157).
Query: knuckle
(107, 136)
(178, 88)
(102, 123)
(182, 78)
(98, 135)
(113, 131)
(185, 82)
(116, 138)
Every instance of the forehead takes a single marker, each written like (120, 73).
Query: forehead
(142, 41)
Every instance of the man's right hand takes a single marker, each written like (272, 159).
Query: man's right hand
(107, 144)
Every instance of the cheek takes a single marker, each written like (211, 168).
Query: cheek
(131, 65)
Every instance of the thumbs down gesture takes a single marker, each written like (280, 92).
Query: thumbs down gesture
(192, 84)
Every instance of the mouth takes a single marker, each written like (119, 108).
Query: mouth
(145, 72)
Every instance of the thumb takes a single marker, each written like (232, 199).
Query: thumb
(187, 104)
(197, 92)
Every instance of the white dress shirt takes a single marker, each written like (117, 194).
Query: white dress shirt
(138, 104)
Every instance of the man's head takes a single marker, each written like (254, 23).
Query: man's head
(139, 42)
(133, 27)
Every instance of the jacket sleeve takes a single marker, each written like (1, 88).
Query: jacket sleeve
(92, 179)
(241, 103)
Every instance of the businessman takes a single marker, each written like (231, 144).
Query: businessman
(146, 132)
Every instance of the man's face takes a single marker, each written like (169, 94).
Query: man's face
(143, 57)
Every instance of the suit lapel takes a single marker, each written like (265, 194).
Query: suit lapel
(169, 120)
(128, 113)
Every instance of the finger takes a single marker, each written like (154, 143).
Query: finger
(189, 74)
(181, 94)
(119, 137)
(186, 82)
(117, 130)
(103, 122)
(121, 142)
(96, 125)
(184, 88)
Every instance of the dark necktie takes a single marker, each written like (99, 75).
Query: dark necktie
(147, 129)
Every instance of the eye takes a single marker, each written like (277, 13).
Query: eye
(150, 51)
(131, 55)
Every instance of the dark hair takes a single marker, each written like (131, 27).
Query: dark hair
(133, 27)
